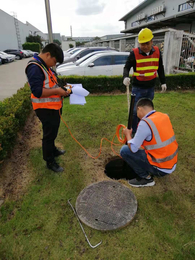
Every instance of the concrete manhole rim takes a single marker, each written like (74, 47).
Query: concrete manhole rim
(130, 215)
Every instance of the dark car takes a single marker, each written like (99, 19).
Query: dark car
(84, 51)
(19, 54)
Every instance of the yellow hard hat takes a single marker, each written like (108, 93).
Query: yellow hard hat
(145, 35)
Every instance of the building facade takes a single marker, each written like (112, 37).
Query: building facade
(176, 14)
(13, 32)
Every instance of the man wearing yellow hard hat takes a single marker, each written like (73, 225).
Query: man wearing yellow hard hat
(146, 61)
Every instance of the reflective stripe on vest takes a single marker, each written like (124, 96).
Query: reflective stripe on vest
(148, 65)
(147, 60)
(147, 68)
(45, 100)
(166, 159)
(145, 74)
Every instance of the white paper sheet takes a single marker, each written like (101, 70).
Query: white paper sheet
(79, 97)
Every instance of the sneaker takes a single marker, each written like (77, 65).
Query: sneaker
(54, 167)
(142, 182)
(59, 152)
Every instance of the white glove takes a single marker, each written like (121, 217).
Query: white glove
(126, 81)
(164, 88)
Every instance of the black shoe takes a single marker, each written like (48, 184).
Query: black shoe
(142, 182)
(59, 152)
(54, 167)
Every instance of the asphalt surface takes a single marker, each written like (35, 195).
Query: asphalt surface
(12, 77)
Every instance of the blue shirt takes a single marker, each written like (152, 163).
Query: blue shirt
(144, 133)
(36, 77)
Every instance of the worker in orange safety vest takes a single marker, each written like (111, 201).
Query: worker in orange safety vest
(154, 149)
(47, 99)
(146, 61)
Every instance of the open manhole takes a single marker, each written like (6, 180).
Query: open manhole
(116, 168)
(106, 205)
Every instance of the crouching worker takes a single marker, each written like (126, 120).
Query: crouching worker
(47, 99)
(153, 150)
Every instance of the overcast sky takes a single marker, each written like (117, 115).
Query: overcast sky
(87, 17)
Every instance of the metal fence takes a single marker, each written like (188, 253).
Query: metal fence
(130, 44)
(116, 45)
(187, 54)
(159, 42)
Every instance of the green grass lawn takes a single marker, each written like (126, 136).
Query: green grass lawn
(41, 224)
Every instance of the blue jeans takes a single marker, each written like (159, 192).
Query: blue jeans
(139, 162)
(140, 93)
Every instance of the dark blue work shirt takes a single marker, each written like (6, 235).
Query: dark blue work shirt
(36, 77)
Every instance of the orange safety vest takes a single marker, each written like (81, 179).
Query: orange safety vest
(146, 66)
(51, 102)
(162, 149)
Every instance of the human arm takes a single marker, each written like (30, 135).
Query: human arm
(143, 133)
(36, 78)
(129, 64)
(128, 133)
(55, 91)
(161, 74)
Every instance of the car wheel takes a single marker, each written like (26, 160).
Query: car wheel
(18, 57)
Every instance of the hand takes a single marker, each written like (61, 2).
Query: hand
(128, 133)
(62, 92)
(164, 88)
(126, 81)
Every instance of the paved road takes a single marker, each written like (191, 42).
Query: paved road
(12, 77)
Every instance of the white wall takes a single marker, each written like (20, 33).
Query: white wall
(7, 32)
(8, 37)
(65, 45)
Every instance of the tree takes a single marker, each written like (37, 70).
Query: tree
(36, 38)
(96, 38)
(71, 45)
(79, 44)
(57, 42)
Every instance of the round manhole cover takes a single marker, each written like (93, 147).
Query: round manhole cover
(106, 205)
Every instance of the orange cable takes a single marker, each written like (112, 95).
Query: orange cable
(117, 134)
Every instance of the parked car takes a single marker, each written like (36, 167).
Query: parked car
(78, 62)
(30, 53)
(6, 57)
(104, 63)
(70, 52)
(84, 51)
(26, 54)
(19, 54)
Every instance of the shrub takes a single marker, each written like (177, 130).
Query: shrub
(104, 84)
(33, 46)
(13, 114)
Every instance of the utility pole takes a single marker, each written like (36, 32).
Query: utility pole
(49, 25)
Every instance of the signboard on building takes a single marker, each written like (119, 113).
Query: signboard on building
(141, 16)
(158, 9)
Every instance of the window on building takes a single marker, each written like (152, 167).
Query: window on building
(184, 7)
(133, 24)
(150, 18)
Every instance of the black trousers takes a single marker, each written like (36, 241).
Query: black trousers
(50, 120)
